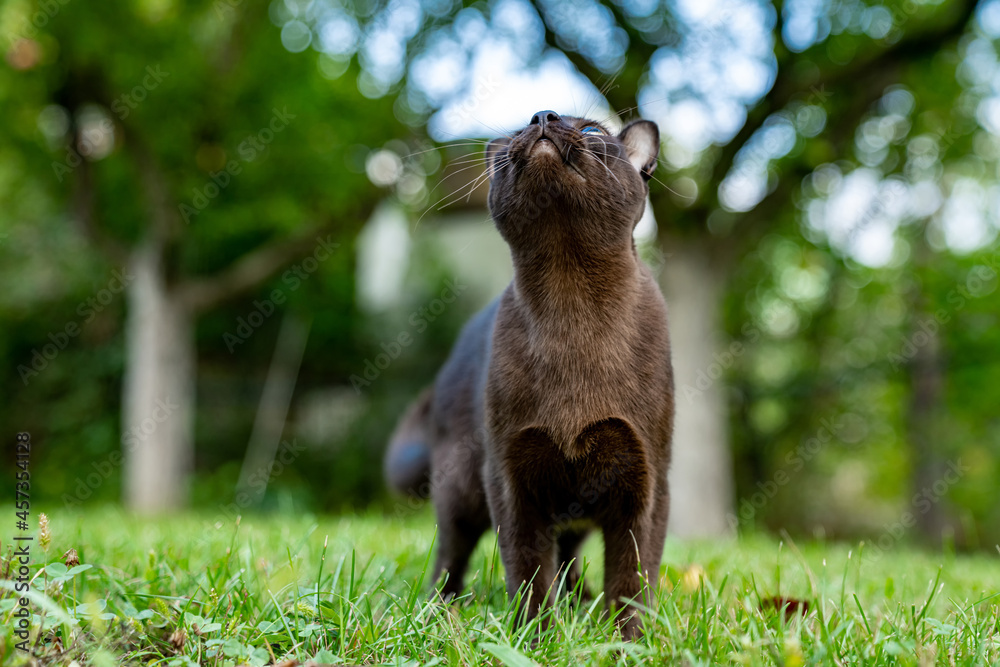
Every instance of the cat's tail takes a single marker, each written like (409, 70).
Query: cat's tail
(408, 459)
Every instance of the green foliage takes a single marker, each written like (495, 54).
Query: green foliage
(183, 121)
(189, 121)
(825, 337)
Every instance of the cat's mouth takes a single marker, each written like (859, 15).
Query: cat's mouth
(545, 144)
(547, 147)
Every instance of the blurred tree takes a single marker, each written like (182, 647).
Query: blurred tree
(826, 72)
(881, 181)
(197, 154)
(705, 235)
(125, 121)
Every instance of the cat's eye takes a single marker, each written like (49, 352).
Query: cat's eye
(592, 129)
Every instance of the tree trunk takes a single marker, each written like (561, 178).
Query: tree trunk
(158, 400)
(925, 374)
(926, 382)
(701, 472)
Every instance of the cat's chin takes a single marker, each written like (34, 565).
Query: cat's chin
(543, 146)
(545, 154)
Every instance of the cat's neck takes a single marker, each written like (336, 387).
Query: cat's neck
(574, 282)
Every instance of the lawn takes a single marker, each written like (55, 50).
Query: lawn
(353, 590)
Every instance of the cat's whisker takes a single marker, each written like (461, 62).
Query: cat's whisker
(479, 181)
(468, 160)
(497, 130)
(495, 168)
(605, 89)
(467, 189)
(654, 178)
(493, 130)
(601, 162)
(456, 172)
(469, 163)
(441, 147)
(465, 164)
(601, 95)
(459, 189)
(476, 162)
(474, 139)
(436, 206)
(471, 186)
(618, 114)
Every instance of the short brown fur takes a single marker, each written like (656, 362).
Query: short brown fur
(554, 413)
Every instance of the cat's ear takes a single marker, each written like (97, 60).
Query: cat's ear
(642, 144)
(492, 149)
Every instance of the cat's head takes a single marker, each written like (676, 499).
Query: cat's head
(568, 171)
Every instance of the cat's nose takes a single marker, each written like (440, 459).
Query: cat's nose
(543, 118)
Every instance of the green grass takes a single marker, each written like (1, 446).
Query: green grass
(354, 590)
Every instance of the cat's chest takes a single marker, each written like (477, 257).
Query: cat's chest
(563, 378)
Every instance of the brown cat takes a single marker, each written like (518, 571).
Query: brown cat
(553, 415)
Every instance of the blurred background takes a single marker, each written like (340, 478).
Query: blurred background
(237, 237)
